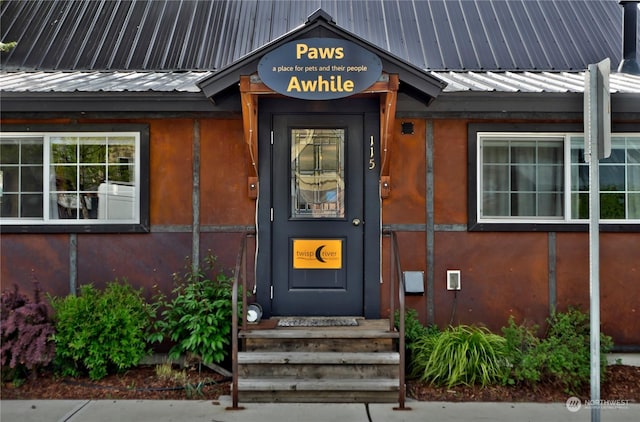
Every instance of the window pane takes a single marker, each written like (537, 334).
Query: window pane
(31, 180)
(65, 177)
(496, 178)
(579, 178)
(612, 178)
(550, 152)
(523, 178)
(9, 208)
(495, 152)
(523, 152)
(91, 177)
(92, 153)
(612, 206)
(633, 178)
(31, 205)
(317, 173)
(634, 205)
(523, 204)
(550, 204)
(550, 178)
(32, 151)
(618, 152)
(9, 152)
(64, 150)
(579, 205)
(495, 205)
(10, 178)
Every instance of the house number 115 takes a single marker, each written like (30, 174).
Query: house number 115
(372, 161)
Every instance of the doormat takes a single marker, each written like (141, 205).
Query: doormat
(317, 322)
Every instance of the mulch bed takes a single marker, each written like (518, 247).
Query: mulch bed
(621, 383)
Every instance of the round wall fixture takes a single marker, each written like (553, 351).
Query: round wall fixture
(254, 313)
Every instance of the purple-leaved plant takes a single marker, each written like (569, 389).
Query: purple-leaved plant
(26, 331)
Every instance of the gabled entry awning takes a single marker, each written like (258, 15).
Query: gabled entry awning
(395, 75)
(413, 80)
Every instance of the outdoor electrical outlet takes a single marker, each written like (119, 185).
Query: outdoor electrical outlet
(453, 279)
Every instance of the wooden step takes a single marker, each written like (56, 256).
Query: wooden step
(319, 364)
(318, 391)
(305, 365)
(335, 358)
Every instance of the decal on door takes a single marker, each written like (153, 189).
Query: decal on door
(321, 254)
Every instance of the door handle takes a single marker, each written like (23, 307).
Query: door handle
(356, 222)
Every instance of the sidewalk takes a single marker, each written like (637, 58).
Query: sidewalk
(208, 411)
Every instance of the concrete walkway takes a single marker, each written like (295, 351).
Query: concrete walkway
(208, 411)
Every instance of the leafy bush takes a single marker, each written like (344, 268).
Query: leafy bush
(562, 356)
(460, 355)
(521, 352)
(567, 350)
(101, 331)
(198, 317)
(413, 328)
(26, 333)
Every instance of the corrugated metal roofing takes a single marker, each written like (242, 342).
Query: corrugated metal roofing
(440, 35)
(527, 82)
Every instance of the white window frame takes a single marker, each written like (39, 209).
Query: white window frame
(566, 217)
(139, 222)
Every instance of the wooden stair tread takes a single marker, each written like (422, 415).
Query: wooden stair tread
(319, 358)
(325, 384)
(317, 334)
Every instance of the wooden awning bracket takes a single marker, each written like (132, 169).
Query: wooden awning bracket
(251, 87)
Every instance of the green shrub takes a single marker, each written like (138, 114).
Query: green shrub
(101, 331)
(562, 356)
(198, 317)
(566, 350)
(460, 355)
(413, 328)
(521, 353)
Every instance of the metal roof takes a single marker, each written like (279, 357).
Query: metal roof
(438, 35)
(526, 82)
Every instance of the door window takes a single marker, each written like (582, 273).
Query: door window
(317, 173)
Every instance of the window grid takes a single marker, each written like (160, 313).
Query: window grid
(619, 179)
(109, 174)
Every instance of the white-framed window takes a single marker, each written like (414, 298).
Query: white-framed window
(69, 178)
(541, 178)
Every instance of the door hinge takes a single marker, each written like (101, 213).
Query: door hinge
(271, 214)
(272, 292)
(271, 137)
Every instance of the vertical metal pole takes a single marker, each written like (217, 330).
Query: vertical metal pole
(430, 224)
(73, 264)
(591, 156)
(195, 199)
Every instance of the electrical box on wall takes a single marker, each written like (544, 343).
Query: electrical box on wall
(453, 279)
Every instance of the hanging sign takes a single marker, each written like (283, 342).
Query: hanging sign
(317, 254)
(319, 69)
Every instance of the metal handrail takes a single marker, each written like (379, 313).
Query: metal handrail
(396, 273)
(239, 274)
